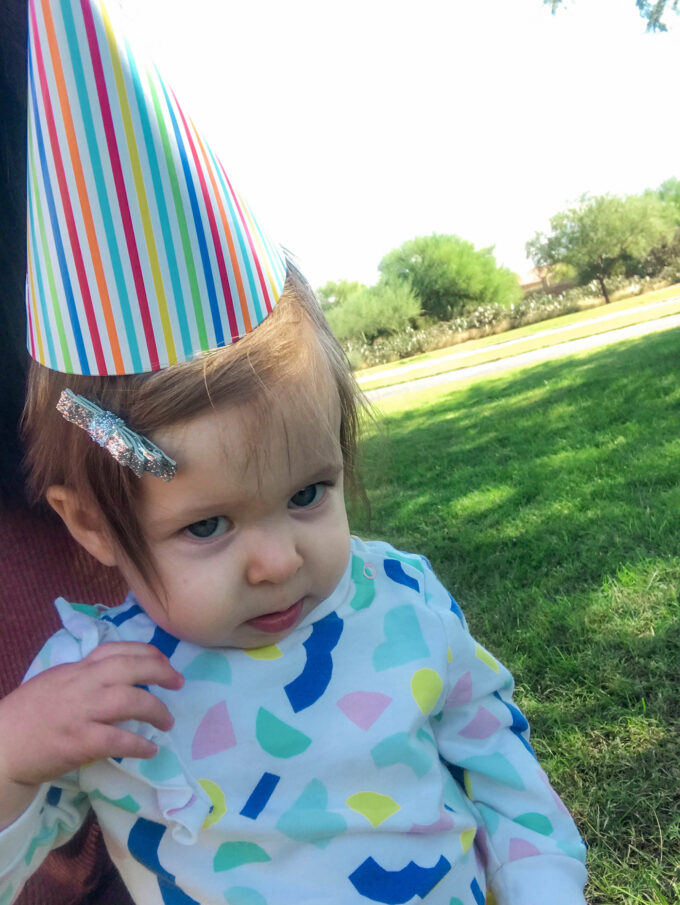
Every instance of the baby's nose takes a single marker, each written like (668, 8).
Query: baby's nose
(273, 557)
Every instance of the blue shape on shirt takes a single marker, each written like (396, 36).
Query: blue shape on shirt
(480, 898)
(53, 796)
(519, 723)
(164, 642)
(130, 613)
(260, 795)
(308, 687)
(394, 887)
(143, 841)
(456, 609)
(395, 571)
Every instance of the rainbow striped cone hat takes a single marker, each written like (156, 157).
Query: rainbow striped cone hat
(140, 252)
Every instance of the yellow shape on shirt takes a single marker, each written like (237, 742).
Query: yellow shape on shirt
(376, 808)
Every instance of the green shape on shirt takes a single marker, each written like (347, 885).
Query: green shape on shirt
(44, 837)
(534, 821)
(161, 767)
(278, 738)
(365, 586)
(244, 895)
(495, 766)
(309, 819)
(401, 749)
(209, 666)
(127, 803)
(403, 642)
(86, 608)
(234, 854)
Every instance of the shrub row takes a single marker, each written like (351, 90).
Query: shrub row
(485, 320)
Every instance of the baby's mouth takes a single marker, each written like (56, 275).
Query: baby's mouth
(277, 622)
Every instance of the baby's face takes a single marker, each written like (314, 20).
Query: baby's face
(250, 535)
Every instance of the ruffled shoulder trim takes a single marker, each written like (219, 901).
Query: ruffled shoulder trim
(180, 798)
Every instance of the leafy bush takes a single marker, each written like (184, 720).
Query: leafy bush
(450, 276)
(367, 314)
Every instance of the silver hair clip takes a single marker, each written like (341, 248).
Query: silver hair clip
(108, 430)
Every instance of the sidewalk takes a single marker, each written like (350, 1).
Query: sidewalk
(461, 354)
(518, 361)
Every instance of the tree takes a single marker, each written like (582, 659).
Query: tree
(651, 10)
(669, 192)
(449, 275)
(335, 292)
(603, 235)
(370, 312)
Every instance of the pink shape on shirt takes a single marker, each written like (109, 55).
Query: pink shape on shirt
(482, 725)
(364, 707)
(214, 734)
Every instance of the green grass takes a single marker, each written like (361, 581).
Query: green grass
(522, 339)
(549, 503)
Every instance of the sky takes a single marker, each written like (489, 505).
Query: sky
(352, 127)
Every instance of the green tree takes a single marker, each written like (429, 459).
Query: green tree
(669, 192)
(337, 291)
(449, 275)
(368, 313)
(653, 11)
(603, 235)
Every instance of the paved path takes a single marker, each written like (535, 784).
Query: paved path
(459, 354)
(525, 358)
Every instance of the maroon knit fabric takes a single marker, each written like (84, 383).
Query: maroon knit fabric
(38, 562)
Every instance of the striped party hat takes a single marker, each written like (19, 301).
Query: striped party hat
(140, 252)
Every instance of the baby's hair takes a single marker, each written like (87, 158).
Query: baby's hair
(293, 351)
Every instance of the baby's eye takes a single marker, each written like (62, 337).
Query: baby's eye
(207, 528)
(308, 496)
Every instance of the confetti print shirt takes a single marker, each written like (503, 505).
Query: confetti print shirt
(373, 755)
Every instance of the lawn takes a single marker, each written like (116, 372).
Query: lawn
(589, 322)
(548, 501)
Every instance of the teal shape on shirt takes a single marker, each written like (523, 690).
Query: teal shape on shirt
(6, 896)
(412, 561)
(244, 895)
(43, 838)
(539, 823)
(234, 854)
(403, 642)
(496, 767)
(209, 666)
(278, 738)
(309, 819)
(86, 608)
(163, 766)
(401, 748)
(127, 803)
(490, 817)
(364, 585)
(573, 849)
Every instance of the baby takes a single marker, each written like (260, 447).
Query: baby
(321, 726)
(279, 713)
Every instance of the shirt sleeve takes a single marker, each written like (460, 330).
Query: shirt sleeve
(58, 810)
(527, 837)
(53, 817)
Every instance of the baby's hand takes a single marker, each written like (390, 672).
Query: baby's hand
(64, 717)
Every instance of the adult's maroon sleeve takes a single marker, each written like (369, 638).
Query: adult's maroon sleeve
(38, 562)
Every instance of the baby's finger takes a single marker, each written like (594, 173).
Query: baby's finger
(129, 648)
(101, 741)
(118, 703)
(136, 669)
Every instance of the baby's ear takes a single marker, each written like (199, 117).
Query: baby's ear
(85, 522)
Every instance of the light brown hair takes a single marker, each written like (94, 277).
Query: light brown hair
(293, 347)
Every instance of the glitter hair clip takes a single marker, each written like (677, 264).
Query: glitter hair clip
(108, 430)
